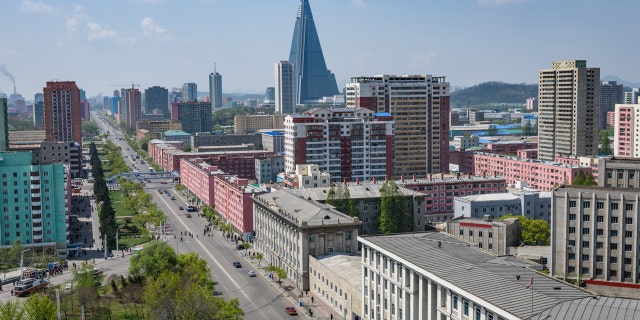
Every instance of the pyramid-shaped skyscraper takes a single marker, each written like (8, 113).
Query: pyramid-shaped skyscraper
(313, 79)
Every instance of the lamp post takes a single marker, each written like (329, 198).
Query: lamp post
(117, 236)
(22, 261)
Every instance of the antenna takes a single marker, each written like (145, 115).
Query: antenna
(214, 68)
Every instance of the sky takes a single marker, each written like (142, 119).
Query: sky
(107, 45)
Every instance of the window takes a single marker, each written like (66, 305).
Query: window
(461, 232)
(599, 258)
(586, 204)
(586, 230)
(614, 233)
(613, 259)
(478, 313)
(600, 232)
(571, 256)
(627, 260)
(599, 245)
(628, 206)
(600, 218)
(572, 229)
(613, 206)
(586, 217)
(600, 205)
(613, 246)
(614, 219)
(455, 301)
(490, 234)
(585, 244)
(585, 257)
(628, 220)
(628, 247)
(465, 307)
(572, 217)
(572, 204)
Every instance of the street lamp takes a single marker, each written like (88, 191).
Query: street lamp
(21, 261)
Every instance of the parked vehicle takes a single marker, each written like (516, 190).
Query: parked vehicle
(291, 311)
(252, 273)
(30, 285)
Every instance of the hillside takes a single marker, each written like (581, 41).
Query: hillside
(493, 92)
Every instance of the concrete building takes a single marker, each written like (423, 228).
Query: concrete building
(131, 105)
(626, 137)
(233, 202)
(631, 97)
(61, 116)
(462, 142)
(619, 173)
(530, 103)
(268, 168)
(289, 229)
(189, 92)
(215, 90)
(494, 236)
(568, 118)
(348, 143)
(68, 153)
(156, 99)
(611, 93)
(198, 177)
(243, 124)
(537, 174)
(195, 116)
(34, 203)
(533, 205)
(335, 279)
(402, 279)
(4, 125)
(158, 127)
(285, 88)
(177, 135)
(38, 110)
(510, 147)
(201, 140)
(307, 175)
(273, 141)
(367, 198)
(419, 105)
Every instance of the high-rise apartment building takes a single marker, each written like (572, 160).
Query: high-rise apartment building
(313, 80)
(38, 110)
(32, 206)
(420, 108)
(4, 125)
(285, 88)
(61, 116)
(195, 116)
(189, 92)
(611, 93)
(631, 97)
(627, 131)
(568, 106)
(215, 90)
(349, 143)
(131, 106)
(157, 98)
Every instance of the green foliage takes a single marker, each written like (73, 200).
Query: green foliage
(154, 259)
(532, 231)
(582, 180)
(605, 141)
(90, 128)
(492, 130)
(187, 148)
(39, 307)
(395, 215)
(493, 92)
(340, 198)
(224, 117)
(11, 310)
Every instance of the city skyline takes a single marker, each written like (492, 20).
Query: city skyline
(167, 43)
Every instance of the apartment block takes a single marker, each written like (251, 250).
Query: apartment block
(268, 168)
(510, 147)
(61, 118)
(243, 124)
(289, 229)
(273, 141)
(198, 177)
(402, 280)
(233, 202)
(537, 174)
(611, 93)
(68, 153)
(348, 143)
(627, 131)
(195, 116)
(568, 104)
(419, 105)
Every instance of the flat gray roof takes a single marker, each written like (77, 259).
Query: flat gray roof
(493, 278)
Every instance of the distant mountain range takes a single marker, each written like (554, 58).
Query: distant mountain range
(493, 92)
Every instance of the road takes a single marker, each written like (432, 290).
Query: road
(258, 297)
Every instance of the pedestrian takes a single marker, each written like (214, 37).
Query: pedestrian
(311, 300)
(331, 317)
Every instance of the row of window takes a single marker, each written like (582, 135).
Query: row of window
(600, 218)
(600, 232)
(600, 205)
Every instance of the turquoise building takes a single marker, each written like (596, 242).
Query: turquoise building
(34, 203)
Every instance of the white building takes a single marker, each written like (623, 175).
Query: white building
(431, 276)
(335, 279)
(462, 142)
(285, 88)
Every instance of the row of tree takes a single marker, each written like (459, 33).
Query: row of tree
(106, 214)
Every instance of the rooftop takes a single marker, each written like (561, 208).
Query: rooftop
(348, 267)
(173, 133)
(365, 190)
(474, 272)
(490, 197)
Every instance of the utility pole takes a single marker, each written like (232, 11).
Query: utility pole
(58, 302)
(105, 247)
(117, 247)
(22, 261)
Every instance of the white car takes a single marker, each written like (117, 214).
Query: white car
(252, 273)
(68, 286)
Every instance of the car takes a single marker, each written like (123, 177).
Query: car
(68, 286)
(188, 215)
(291, 311)
(173, 198)
(252, 273)
(237, 264)
(180, 208)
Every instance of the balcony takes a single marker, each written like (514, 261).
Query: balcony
(35, 221)
(37, 229)
(36, 204)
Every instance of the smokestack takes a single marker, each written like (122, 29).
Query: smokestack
(8, 74)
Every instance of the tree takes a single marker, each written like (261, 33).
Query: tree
(154, 259)
(11, 310)
(604, 140)
(394, 211)
(492, 130)
(582, 180)
(340, 198)
(39, 307)
(532, 231)
(90, 128)
(259, 257)
(187, 148)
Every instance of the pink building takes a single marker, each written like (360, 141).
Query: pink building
(626, 131)
(197, 176)
(527, 153)
(510, 147)
(233, 201)
(611, 118)
(537, 174)
(440, 189)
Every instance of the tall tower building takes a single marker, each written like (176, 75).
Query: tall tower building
(631, 97)
(568, 101)
(215, 90)
(157, 98)
(420, 107)
(285, 88)
(195, 116)
(131, 106)
(189, 92)
(61, 116)
(4, 125)
(312, 78)
(611, 93)
(38, 109)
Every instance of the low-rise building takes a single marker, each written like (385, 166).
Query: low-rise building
(289, 229)
(531, 204)
(198, 177)
(335, 279)
(433, 276)
(273, 141)
(157, 127)
(510, 147)
(243, 124)
(465, 142)
(495, 236)
(305, 175)
(177, 135)
(201, 140)
(268, 168)
(619, 173)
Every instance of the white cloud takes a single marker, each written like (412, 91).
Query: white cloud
(81, 22)
(30, 6)
(358, 3)
(498, 2)
(79, 17)
(96, 31)
(149, 28)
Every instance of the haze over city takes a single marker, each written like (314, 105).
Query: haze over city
(168, 42)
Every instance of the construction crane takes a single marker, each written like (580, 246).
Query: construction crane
(133, 85)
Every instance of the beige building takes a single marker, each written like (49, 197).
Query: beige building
(157, 127)
(288, 229)
(243, 124)
(336, 280)
(568, 105)
(491, 236)
(619, 173)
